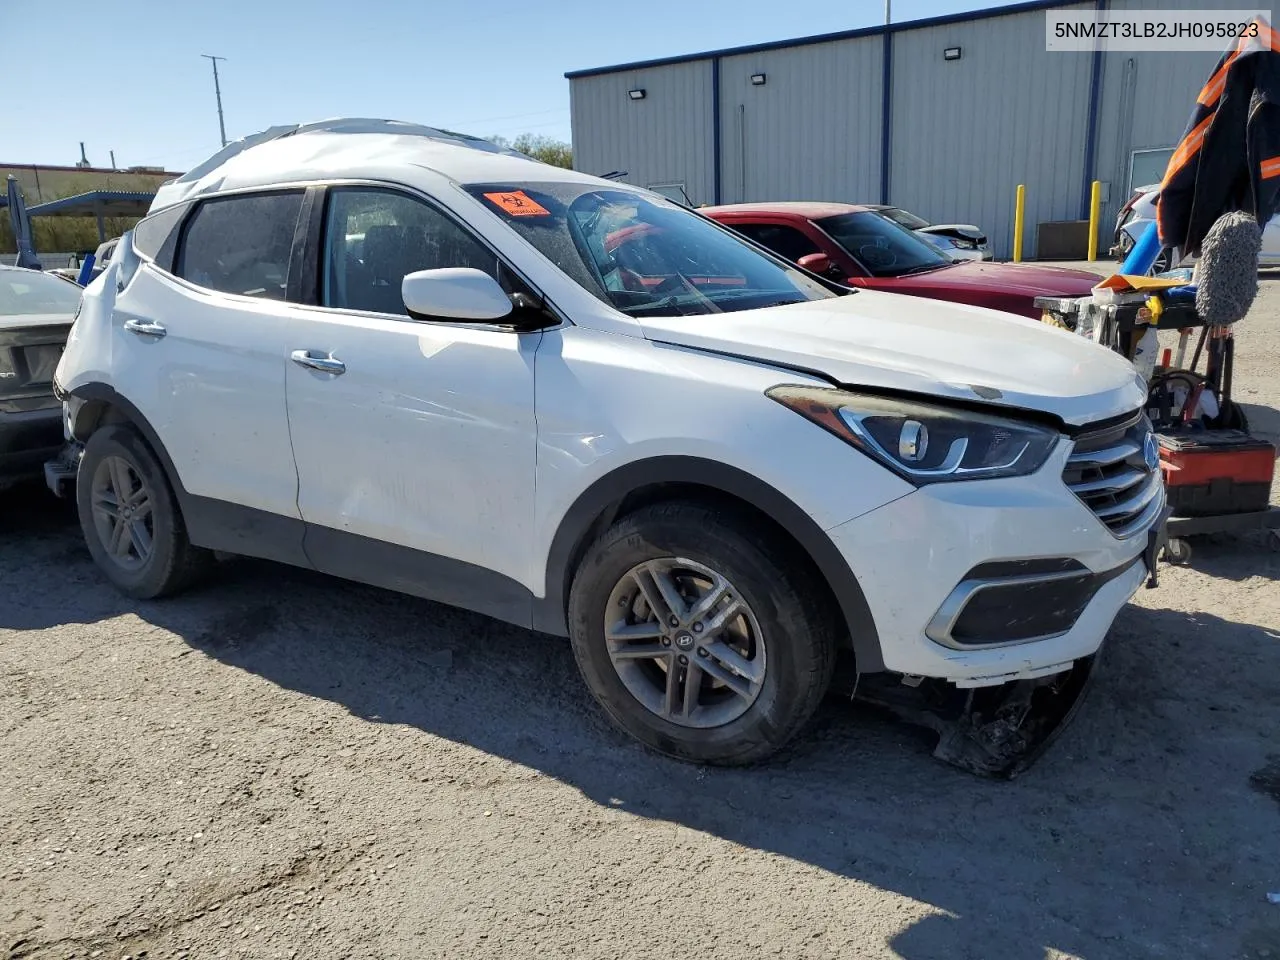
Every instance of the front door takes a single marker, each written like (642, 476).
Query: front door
(414, 441)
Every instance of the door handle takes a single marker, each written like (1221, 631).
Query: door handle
(145, 328)
(329, 364)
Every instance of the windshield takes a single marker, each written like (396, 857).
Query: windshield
(883, 248)
(900, 216)
(31, 292)
(645, 256)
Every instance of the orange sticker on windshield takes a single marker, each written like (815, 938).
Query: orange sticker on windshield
(518, 204)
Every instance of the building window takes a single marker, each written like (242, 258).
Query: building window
(1148, 166)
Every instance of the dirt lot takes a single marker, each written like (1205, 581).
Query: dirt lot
(285, 765)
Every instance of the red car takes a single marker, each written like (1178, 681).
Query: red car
(856, 246)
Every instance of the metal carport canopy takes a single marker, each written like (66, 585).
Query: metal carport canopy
(98, 204)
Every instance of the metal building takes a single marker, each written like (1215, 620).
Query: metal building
(944, 117)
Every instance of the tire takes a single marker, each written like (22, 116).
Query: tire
(1177, 552)
(169, 561)
(783, 640)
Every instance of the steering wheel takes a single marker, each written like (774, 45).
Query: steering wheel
(874, 253)
(668, 285)
(631, 281)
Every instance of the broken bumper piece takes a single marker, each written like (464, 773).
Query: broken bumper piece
(60, 472)
(992, 731)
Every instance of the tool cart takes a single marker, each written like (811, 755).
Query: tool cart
(1217, 476)
(1222, 184)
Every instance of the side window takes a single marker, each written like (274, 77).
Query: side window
(242, 244)
(374, 237)
(787, 242)
(156, 236)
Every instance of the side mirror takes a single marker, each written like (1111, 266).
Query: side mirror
(822, 265)
(818, 263)
(455, 293)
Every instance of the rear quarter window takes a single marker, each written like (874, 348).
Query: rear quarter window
(156, 237)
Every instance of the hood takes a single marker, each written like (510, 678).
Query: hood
(959, 229)
(879, 340)
(1027, 279)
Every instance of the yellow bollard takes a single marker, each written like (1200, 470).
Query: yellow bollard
(1095, 214)
(1018, 208)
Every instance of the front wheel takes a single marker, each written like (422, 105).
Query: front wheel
(701, 637)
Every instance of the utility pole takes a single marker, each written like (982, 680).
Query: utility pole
(217, 90)
(113, 159)
(888, 16)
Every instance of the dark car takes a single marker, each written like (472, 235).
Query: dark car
(36, 313)
(858, 247)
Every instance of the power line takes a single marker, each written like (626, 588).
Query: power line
(513, 116)
(526, 127)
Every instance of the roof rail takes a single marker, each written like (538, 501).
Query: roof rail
(177, 189)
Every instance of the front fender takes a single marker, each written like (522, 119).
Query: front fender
(597, 507)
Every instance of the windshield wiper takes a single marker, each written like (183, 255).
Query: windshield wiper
(922, 268)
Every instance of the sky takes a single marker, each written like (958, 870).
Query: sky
(133, 81)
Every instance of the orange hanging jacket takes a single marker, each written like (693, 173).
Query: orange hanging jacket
(1229, 156)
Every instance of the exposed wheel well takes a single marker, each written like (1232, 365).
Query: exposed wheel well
(94, 414)
(770, 528)
(102, 407)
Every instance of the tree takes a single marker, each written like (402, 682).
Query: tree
(540, 147)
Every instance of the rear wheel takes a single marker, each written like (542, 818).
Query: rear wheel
(700, 637)
(130, 517)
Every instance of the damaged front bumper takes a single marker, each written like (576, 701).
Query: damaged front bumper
(997, 730)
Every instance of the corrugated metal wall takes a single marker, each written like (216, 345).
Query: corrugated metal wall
(811, 132)
(1146, 101)
(664, 138)
(965, 132)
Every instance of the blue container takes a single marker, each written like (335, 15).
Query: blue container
(86, 270)
(1143, 255)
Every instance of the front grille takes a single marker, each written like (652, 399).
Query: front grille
(1109, 472)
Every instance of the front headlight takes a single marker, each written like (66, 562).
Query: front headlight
(963, 244)
(920, 442)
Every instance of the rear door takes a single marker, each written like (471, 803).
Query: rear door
(198, 346)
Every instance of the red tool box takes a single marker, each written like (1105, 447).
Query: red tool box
(1212, 472)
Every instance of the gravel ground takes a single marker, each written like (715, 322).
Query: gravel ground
(285, 765)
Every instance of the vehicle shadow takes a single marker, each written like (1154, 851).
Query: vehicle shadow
(1089, 853)
(1237, 556)
(1264, 421)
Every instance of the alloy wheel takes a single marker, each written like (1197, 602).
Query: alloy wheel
(685, 643)
(122, 514)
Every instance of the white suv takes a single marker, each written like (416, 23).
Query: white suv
(417, 360)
